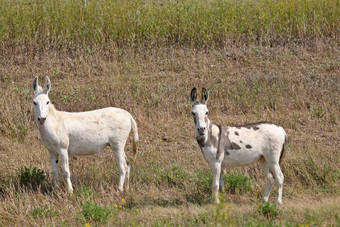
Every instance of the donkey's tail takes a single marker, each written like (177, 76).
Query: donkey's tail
(135, 137)
(284, 147)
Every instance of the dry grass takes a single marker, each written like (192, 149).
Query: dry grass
(296, 87)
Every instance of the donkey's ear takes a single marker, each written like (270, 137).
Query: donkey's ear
(35, 84)
(193, 95)
(47, 85)
(204, 95)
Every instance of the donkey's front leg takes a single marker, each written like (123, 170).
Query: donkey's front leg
(221, 182)
(216, 169)
(66, 169)
(54, 164)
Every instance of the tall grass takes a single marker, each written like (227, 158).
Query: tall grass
(53, 23)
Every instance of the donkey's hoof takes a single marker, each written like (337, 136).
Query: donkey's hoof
(279, 202)
(216, 201)
(119, 191)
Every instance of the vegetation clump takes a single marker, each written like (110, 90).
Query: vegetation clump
(91, 211)
(237, 182)
(268, 210)
(32, 178)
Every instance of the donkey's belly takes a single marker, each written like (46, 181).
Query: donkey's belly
(86, 147)
(234, 158)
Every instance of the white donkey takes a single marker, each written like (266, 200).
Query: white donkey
(224, 146)
(82, 133)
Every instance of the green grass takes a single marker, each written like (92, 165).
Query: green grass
(91, 211)
(268, 210)
(237, 182)
(51, 23)
(44, 212)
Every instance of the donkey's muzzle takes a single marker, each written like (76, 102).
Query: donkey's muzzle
(201, 131)
(41, 120)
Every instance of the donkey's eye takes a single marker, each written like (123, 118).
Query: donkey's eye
(48, 102)
(35, 103)
(206, 113)
(193, 114)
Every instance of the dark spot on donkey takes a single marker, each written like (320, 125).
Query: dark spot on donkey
(235, 146)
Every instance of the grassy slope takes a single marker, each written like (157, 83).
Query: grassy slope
(296, 88)
(295, 85)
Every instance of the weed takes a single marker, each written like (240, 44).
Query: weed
(223, 213)
(84, 191)
(204, 181)
(31, 177)
(176, 176)
(310, 220)
(42, 212)
(268, 210)
(237, 182)
(337, 220)
(319, 112)
(162, 223)
(93, 212)
(203, 218)
(65, 223)
(197, 197)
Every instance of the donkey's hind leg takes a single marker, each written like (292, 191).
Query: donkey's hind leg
(123, 166)
(278, 175)
(269, 178)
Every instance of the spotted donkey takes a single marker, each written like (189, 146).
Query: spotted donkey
(225, 146)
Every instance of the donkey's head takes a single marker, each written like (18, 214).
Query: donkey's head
(41, 100)
(200, 112)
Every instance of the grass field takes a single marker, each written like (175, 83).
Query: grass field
(41, 25)
(145, 57)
